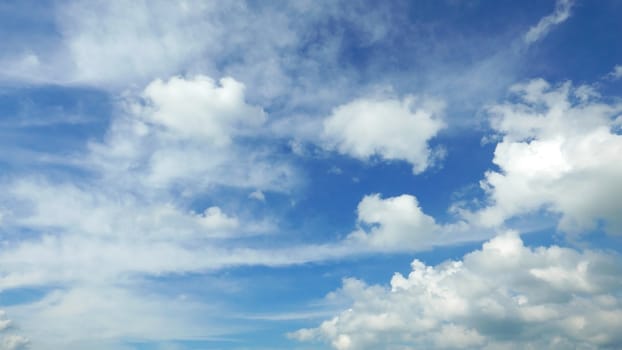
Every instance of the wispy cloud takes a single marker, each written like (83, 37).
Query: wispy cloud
(546, 24)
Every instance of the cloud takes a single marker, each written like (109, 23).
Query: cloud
(14, 342)
(8, 340)
(544, 26)
(198, 108)
(616, 73)
(559, 152)
(393, 223)
(189, 132)
(117, 46)
(399, 224)
(505, 296)
(388, 128)
(257, 195)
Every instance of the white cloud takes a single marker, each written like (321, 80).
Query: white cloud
(389, 128)
(505, 296)
(560, 152)
(14, 342)
(9, 340)
(52, 207)
(616, 73)
(393, 223)
(185, 131)
(105, 315)
(4, 321)
(257, 195)
(115, 41)
(199, 108)
(544, 26)
(399, 224)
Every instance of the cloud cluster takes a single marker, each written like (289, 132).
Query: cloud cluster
(559, 151)
(129, 212)
(504, 296)
(388, 128)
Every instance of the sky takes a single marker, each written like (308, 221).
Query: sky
(310, 175)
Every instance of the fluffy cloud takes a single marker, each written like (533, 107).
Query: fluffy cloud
(399, 224)
(388, 128)
(187, 131)
(392, 223)
(559, 151)
(504, 296)
(199, 108)
(561, 14)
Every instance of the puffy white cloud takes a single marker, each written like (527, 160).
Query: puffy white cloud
(559, 151)
(561, 14)
(399, 223)
(389, 128)
(393, 223)
(505, 296)
(186, 131)
(199, 108)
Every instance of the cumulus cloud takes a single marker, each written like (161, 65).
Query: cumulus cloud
(199, 108)
(393, 223)
(389, 128)
(504, 296)
(544, 26)
(399, 224)
(184, 131)
(560, 152)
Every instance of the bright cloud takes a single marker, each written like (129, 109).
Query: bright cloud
(183, 132)
(394, 223)
(388, 128)
(504, 296)
(560, 152)
(156, 155)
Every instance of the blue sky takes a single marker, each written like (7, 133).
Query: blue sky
(310, 175)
